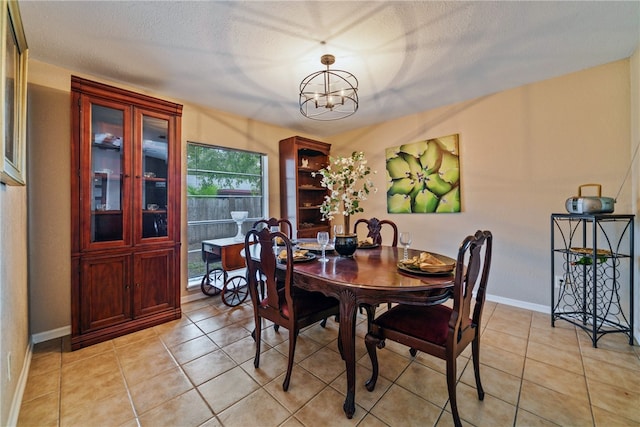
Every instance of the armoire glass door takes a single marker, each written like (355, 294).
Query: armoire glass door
(155, 176)
(107, 173)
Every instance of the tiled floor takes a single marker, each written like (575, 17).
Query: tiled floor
(199, 371)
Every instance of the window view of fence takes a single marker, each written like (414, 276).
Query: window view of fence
(221, 180)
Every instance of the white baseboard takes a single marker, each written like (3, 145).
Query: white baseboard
(193, 297)
(66, 330)
(520, 304)
(16, 403)
(533, 307)
(51, 334)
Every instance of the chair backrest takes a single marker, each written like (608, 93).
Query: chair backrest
(374, 227)
(283, 224)
(266, 270)
(475, 253)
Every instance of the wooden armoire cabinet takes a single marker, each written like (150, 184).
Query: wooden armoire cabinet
(125, 212)
(300, 192)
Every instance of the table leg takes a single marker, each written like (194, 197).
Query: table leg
(347, 336)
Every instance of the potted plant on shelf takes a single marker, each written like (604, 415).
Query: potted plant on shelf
(348, 181)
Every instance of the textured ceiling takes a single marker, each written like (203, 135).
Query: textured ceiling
(248, 57)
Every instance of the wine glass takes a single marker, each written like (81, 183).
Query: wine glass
(323, 240)
(405, 240)
(275, 229)
(337, 229)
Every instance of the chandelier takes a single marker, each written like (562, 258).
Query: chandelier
(329, 94)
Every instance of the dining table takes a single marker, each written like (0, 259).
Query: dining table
(370, 277)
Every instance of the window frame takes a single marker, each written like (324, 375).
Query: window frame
(13, 117)
(193, 282)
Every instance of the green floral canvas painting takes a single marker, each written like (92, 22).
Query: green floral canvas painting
(424, 176)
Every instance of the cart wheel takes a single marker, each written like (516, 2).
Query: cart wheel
(235, 291)
(208, 285)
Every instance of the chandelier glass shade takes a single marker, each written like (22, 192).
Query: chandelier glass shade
(329, 94)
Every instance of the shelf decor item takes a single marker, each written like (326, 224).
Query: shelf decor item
(239, 217)
(349, 184)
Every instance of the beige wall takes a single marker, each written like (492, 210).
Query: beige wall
(523, 152)
(635, 176)
(49, 137)
(14, 326)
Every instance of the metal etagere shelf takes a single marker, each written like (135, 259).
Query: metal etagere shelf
(591, 261)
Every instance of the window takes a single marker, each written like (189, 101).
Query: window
(221, 180)
(13, 111)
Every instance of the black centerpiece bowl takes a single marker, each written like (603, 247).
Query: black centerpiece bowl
(346, 244)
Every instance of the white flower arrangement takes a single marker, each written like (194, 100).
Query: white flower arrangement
(348, 181)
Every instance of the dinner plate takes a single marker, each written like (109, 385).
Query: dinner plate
(433, 272)
(280, 243)
(368, 245)
(446, 268)
(307, 257)
(313, 246)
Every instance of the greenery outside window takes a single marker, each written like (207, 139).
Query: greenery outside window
(221, 180)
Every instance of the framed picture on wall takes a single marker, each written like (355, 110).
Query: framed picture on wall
(14, 95)
(424, 176)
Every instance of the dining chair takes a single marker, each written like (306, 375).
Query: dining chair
(283, 225)
(286, 306)
(374, 228)
(440, 330)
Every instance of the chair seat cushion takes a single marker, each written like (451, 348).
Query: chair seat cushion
(428, 323)
(306, 303)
